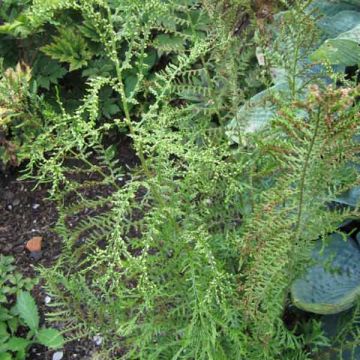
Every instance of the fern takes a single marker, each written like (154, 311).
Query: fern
(190, 254)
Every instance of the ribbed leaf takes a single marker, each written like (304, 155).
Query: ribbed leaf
(350, 197)
(332, 284)
(51, 338)
(27, 309)
(343, 21)
(338, 52)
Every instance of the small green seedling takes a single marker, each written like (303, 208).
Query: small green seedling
(20, 316)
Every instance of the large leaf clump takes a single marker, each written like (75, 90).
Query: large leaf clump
(332, 284)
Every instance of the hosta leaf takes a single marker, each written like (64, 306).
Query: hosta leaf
(332, 326)
(344, 49)
(352, 2)
(51, 338)
(350, 197)
(331, 8)
(256, 113)
(332, 284)
(338, 52)
(343, 21)
(352, 34)
(27, 309)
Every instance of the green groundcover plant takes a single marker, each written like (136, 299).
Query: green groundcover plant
(245, 131)
(20, 316)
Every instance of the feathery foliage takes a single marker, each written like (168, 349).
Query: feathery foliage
(190, 254)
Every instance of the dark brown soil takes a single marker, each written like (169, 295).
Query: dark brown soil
(25, 212)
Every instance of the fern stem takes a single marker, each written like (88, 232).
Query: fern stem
(303, 178)
(128, 119)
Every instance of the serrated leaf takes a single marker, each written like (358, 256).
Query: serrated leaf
(13, 324)
(17, 344)
(70, 47)
(20, 27)
(4, 314)
(3, 332)
(47, 72)
(169, 43)
(332, 284)
(28, 311)
(51, 338)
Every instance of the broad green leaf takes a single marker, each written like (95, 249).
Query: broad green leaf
(338, 52)
(28, 311)
(332, 284)
(51, 338)
(3, 332)
(343, 21)
(20, 28)
(4, 314)
(350, 197)
(17, 344)
(352, 34)
(331, 8)
(352, 2)
(255, 114)
(343, 49)
(47, 72)
(5, 356)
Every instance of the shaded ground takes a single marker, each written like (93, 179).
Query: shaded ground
(25, 213)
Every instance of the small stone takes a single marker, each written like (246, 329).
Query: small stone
(36, 206)
(9, 207)
(47, 299)
(58, 355)
(34, 244)
(36, 255)
(16, 202)
(97, 340)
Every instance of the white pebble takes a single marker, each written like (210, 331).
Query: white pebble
(98, 340)
(58, 355)
(47, 299)
(36, 206)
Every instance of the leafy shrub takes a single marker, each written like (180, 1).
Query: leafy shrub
(20, 121)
